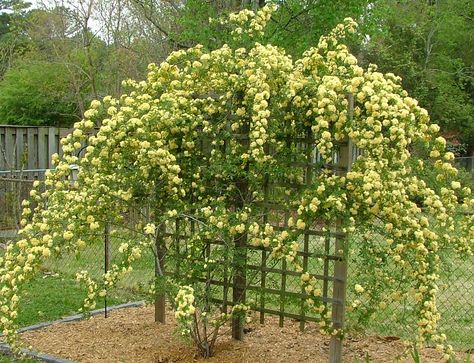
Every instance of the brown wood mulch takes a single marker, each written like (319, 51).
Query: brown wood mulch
(131, 335)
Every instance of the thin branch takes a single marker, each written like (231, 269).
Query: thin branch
(148, 16)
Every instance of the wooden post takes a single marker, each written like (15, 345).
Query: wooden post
(239, 264)
(160, 300)
(239, 282)
(309, 145)
(240, 248)
(340, 265)
(339, 297)
(263, 273)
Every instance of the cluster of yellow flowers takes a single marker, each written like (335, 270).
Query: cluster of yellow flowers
(205, 131)
(185, 303)
(248, 22)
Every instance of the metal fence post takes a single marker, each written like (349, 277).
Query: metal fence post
(106, 260)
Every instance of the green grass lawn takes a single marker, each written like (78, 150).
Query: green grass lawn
(51, 297)
(54, 292)
(92, 260)
(7, 359)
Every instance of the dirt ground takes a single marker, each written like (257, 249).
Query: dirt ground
(130, 335)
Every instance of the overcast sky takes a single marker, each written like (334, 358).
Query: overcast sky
(34, 3)
(93, 23)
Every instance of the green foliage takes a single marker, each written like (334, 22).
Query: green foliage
(13, 4)
(425, 43)
(297, 25)
(37, 94)
(193, 27)
(421, 41)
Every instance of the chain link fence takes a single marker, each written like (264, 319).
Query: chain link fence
(395, 313)
(395, 318)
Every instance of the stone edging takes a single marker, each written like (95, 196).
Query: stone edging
(43, 357)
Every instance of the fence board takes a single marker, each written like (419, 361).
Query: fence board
(52, 146)
(18, 149)
(10, 147)
(32, 141)
(43, 148)
(2, 148)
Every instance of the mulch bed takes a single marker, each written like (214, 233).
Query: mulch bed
(131, 335)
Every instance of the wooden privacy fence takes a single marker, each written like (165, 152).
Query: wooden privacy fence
(12, 192)
(25, 155)
(29, 147)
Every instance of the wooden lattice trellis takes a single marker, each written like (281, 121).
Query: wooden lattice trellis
(269, 287)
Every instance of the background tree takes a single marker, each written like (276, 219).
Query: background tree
(13, 14)
(57, 38)
(37, 93)
(424, 42)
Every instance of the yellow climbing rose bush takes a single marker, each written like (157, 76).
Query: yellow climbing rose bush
(198, 139)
